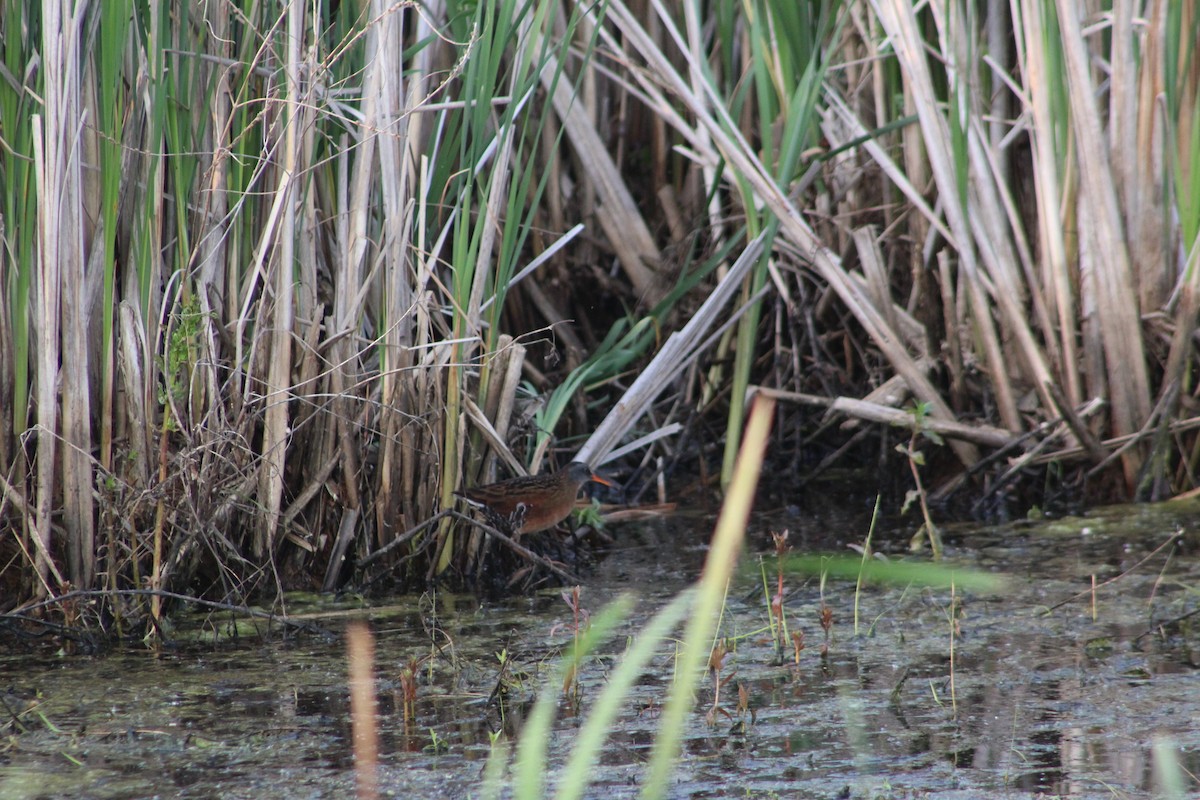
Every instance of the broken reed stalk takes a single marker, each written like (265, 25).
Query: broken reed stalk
(680, 349)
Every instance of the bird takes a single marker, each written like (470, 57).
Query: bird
(533, 503)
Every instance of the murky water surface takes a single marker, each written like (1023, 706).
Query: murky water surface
(1061, 685)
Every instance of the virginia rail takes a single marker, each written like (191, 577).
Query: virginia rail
(532, 504)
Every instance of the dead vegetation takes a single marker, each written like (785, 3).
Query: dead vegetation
(275, 287)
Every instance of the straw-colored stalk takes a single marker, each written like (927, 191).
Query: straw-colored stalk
(310, 275)
(62, 307)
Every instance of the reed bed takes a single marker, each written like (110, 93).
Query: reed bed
(277, 281)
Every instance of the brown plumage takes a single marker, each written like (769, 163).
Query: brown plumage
(532, 504)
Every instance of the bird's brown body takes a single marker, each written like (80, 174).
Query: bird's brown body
(532, 504)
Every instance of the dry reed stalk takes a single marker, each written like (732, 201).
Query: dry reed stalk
(1136, 123)
(680, 349)
(995, 223)
(385, 131)
(741, 157)
(1061, 296)
(877, 284)
(50, 133)
(617, 212)
(985, 435)
(277, 248)
(492, 422)
(900, 26)
(401, 374)
(1116, 300)
(1187, 311)
(78, 201)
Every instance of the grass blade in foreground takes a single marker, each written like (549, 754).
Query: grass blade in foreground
(576, 775)
(896, 573)
(722, 557)
(530, 769)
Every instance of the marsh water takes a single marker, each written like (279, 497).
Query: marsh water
(1077, 679)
